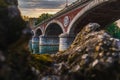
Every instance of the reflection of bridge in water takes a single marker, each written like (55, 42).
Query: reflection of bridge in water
(58, 32)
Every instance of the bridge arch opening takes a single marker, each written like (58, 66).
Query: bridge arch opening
(53, 29)
(104, 14)
(49, 42)
(38, 32)
(34, 43)
(32, 32)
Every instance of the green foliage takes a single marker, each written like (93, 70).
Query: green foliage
(43, 17)
(113, 30)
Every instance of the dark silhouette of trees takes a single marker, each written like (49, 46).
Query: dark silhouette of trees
(43, 17)
(114, 30)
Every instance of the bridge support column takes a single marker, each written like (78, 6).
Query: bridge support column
(35, 44)
(30, 45)
(65, 41)
(48, 44)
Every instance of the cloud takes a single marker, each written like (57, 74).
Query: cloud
(38, 12)
(118, 23)
(49, 4)
(32, 7)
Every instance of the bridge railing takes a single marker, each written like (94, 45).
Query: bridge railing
(65, 10)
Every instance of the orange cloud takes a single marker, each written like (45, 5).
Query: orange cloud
(118, 23)
(37, 12)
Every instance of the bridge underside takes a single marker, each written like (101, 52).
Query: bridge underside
(53, 30)
(103, 14)
(49, 43)
(38, 32)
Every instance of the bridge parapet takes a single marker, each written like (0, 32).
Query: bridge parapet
(65, 10)
(91, 5)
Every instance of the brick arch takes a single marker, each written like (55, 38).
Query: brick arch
(33, 32)
(86, 10)
(56, 22)
(39, 28)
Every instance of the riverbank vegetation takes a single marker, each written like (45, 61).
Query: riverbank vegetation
(43, 17)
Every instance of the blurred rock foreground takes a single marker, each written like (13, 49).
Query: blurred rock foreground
(14, 56)
(94, 55)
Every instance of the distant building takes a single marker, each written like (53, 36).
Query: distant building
(32, 22)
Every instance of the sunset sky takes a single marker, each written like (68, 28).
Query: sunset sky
(34, 8)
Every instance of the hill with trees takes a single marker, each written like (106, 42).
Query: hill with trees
(43, 17)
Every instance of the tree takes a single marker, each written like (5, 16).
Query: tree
(25, 18)
(43, 17)
(114, 30)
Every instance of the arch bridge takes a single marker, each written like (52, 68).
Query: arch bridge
(58, 32)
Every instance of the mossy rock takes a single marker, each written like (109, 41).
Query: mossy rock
(41, 61)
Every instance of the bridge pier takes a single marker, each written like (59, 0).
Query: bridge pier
(65, 41)
(35, 44)
(48, 44)
(30, 45)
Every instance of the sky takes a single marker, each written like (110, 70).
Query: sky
(118, 23)
(34, 8)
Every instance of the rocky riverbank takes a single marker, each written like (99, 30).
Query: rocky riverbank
(94, 55)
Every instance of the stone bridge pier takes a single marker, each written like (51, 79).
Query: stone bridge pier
(65, 41)
(49, 41)
(35, 44)
(48, 44)
(35, 41)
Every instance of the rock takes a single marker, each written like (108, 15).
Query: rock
(118, 44)
(97, 48)
(84, 56)
(2, 57)
(93, 53)
(13, 11)
(101, 54)
(95, 63)
(14, 58)
(75, 68)
(51, 77)
(109, 60)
